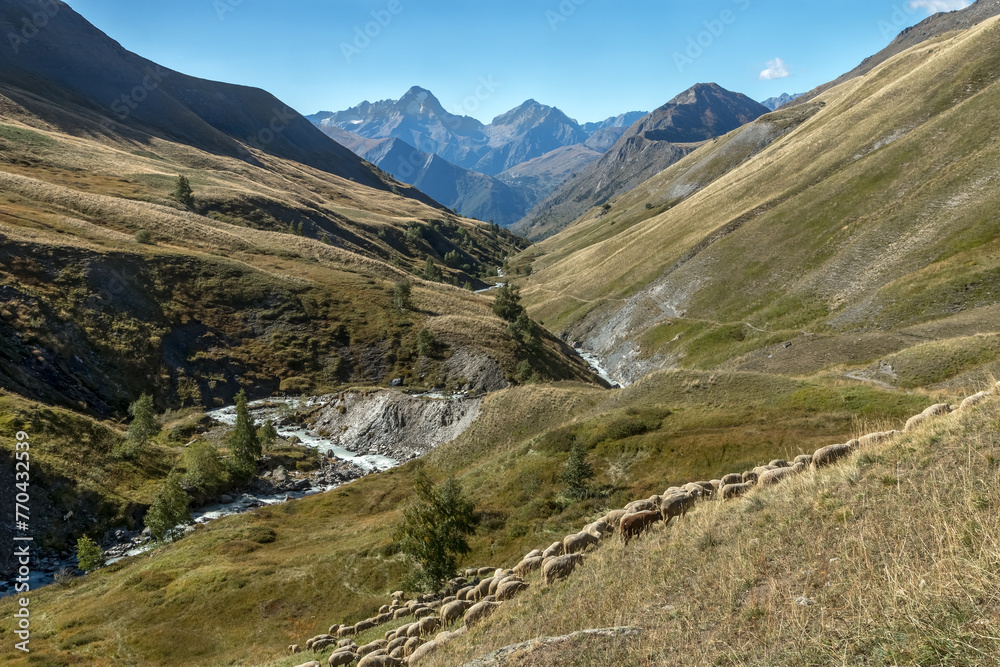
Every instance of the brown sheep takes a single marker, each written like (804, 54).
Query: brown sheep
(559, 567)
(313, 640)
(677, 505)
(479, 611)
(341, 658)
(732, 478)
(730, 491)
(403, 630)
(636, 524)
(555, 549)
(575, 543)
(398, 595)
(453, 611)
(374, 660)
(528, 565)
(774, 476)
(428, 625)
(824, 456)
(933, 411)
(510, 588)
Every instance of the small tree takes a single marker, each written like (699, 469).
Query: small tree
(425, 343)
(578, 471)
(507, 303)
(203, 465)
(434, 528)
(169, 508)
(89, 555)
(431, 270)
(183, 192)
(268, 434)
(144, 236)
(243, 441)
(401, 293)
(141, 431)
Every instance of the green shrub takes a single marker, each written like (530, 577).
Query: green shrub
(89, 555)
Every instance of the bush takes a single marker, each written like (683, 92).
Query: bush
(89, 555)
(432, 271)
(204, 469)
(507, 303)
(144, 236)
(183, 192)
(434, 529)
(141, 431)
(425, 343)
(268, 434)
(296, 385)
(401, 293)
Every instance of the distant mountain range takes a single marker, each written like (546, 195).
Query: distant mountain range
(649, 146)
(492, 172)
(775, 103)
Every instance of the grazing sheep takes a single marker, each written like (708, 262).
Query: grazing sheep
(800, 466)
(428, 625)
(804, 458)
(636, 524)
(732, 478)
(774, 476)
(412, 644)
(423, 651)
(333, 629)
(348, 643)
(750, 476)
(294, 648)
(933, 411)
(346, 631)
(396, 643)
(482, 590)
(313, 640)
(613, 517)
(510, 588)
(321, 644)
(341, 658)
(463, 593)
(528, 565)
(779, 463)
(403, 630)
(716, 485)
(555, 549)
(413, 630)
(361, 626)
(533, 554)
(875, 438)
(453, 611)
(599, 528)
(824, 456)
(402, 612)
(559, 567)
(374, 660)
(372, 647)
(640, 506)
(671, 491)
(973, 400)
(398, 596)
(730, 491)
(479, 611)
(575, 543)
(483, 571)
(311, 663)
(423, 612)
(676, 506)
(707, 487)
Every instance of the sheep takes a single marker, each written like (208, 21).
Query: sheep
(800, 466)
(463, 593)
(804, 458)
(402, 612)
(346, 631)
(428, 625)
(412, 644)
(671, 491)
(635, 525)
(479, 611)
(371, 647)
(452, 611)
(313, 640)
(484, 571)
(933, 411)
(774, 476)
(716, 485)
(341, 658)
(578, 542)
(311, 663)
(294, 648)
(973, 400)
(677, 505)
(423, 612)
(824, 456)
(423, 651)
(528, 565)
(398, 654)
(613, 517)
(403, 631)
(730, 491)
(875, 438)
(692, 489)
(396, 643)
(380, 661)
(361, 626)
(732, 478)
(510, 588)
(413, 630)
(533, 554)
(482, 590)
(750, 476)
(321, 644)
(398, 596)
(640, 506)
(598, 529)
(555, 549)
(779, 463)
(707, 487)
(559, 567)
(348, 643)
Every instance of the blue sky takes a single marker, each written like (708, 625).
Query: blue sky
(591, 58)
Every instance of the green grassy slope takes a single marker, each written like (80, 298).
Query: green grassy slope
(874, 212)
(332, 559)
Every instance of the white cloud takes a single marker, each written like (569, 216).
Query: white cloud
(776, 69)
(935, 6)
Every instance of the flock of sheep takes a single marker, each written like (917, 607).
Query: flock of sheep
(473, 597)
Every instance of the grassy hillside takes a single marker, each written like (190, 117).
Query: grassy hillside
(286, 573)
(888, 558)
(872, 214)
